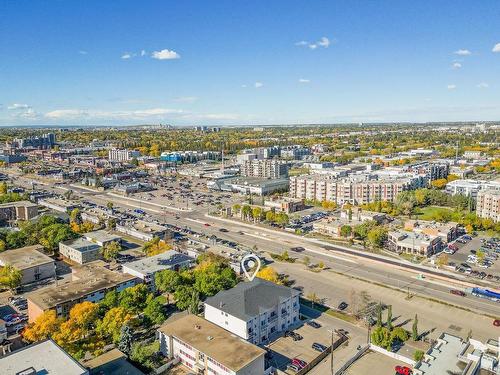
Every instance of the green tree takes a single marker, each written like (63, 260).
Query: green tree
(154, 310)
(194, 306)
(183, 297)
(134, 299)
(109, 205)
(167, 281)
(389, 317)
(345, 231)
(126, 339)
(399, 334)
(10, 276)
(414, 329)
(377, 236)
(146, 354)
(112, 323)
(110, 250)
(111, 299)
(418, 355)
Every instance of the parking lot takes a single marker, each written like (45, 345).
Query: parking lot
(284, 349)
(475, 260)
(373, 363)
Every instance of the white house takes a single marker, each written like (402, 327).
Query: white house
(256, 310)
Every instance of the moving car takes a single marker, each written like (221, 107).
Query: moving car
(458, 292)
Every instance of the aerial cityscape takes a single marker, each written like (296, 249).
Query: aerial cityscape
(250, 188)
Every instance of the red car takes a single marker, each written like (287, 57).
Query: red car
(206, 224)
(458, 292)
(403, 370)
(496, 322)
(299, 363)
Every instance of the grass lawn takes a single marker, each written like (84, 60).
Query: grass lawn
(429, 213)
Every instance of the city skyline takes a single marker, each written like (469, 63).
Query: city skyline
(238, 64)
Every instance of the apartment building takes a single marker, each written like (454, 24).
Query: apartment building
(352, 190)
(488, 204)
(256, 311)
(88, 283)
(205, 348)
(264, 168)
(21, 210)
(413, 243)
(122, 155)
(470, 188)
(80, 250)
(33, 264)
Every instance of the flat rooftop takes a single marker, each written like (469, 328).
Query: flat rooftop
(212, 340)
(146, 227)
(18, 204)
(59, 202)
(444, 357)
(160, 262)
(82, 245)
(90, 279)
(25, 257)
(101, 236)
(44, 357)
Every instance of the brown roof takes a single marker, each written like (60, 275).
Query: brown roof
(212, 340)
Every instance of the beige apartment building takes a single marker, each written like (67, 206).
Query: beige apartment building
(488, 204)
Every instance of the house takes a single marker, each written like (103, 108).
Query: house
(146, 268)
(89, 283)
(102, 237)
(31, 261)
(80, 250)
(205, 348)
(254, 310)
(44, 357)
(142, 230)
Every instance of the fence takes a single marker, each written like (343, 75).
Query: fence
(352, 360)
(396, 356)
(323, 355)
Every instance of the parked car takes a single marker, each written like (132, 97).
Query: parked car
(313, 324)
(403, 370)
(295, 336)
(458, 292)
(342, 306)
(496, 322)
(319, 347)
(293, 368)
(299, 363)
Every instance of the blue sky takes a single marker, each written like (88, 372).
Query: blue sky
(248, 62)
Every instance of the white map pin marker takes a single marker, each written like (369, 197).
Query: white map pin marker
(247, 263)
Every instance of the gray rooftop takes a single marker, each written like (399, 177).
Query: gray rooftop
(443, 358)
(44, 357)
(101, 236)
(25, 257)
(248, 299)
(82, 245)
(164, 261)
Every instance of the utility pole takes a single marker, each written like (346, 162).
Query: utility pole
(331, 354)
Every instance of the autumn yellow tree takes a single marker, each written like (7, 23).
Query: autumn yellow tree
(269, 274)
(155, 247)
(81, 321)
(113, 322)
(45, 326)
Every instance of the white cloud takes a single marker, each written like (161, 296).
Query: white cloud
(324, 42)
(143, 52)
(462, 52)
(72, 114)
(456, 65)
(244, 86)
(303, 80)
(17, 106)
(496, 48)
(302, 43)
(82, 52)
(66, 114)
(218, 116)
(165, 54)
(186, 99)
(313, 46)
(451, 87)
(258, 84)
(482, 85)
(126, 56)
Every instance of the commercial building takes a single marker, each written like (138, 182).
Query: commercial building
(122, 155)
(332, 226)
(355, 190)
(80, 250)
(189, 156)
(33, 264)
(413, 243)
(285, 204)
(264, 168)
(142, 230)
(58, 204)
(488, 204)
(446, 231)
(146, 268)
(44, 357)
(255, 311)
(205, 348)
(46, 141)
(21, 210)
(89, 283)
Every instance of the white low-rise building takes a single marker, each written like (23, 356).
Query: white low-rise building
(256, 310)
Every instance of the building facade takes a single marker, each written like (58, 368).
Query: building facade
(264, 168)
(123, 155)
(80, 250)
(256, 311)
(33, 264)
(488, 204)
